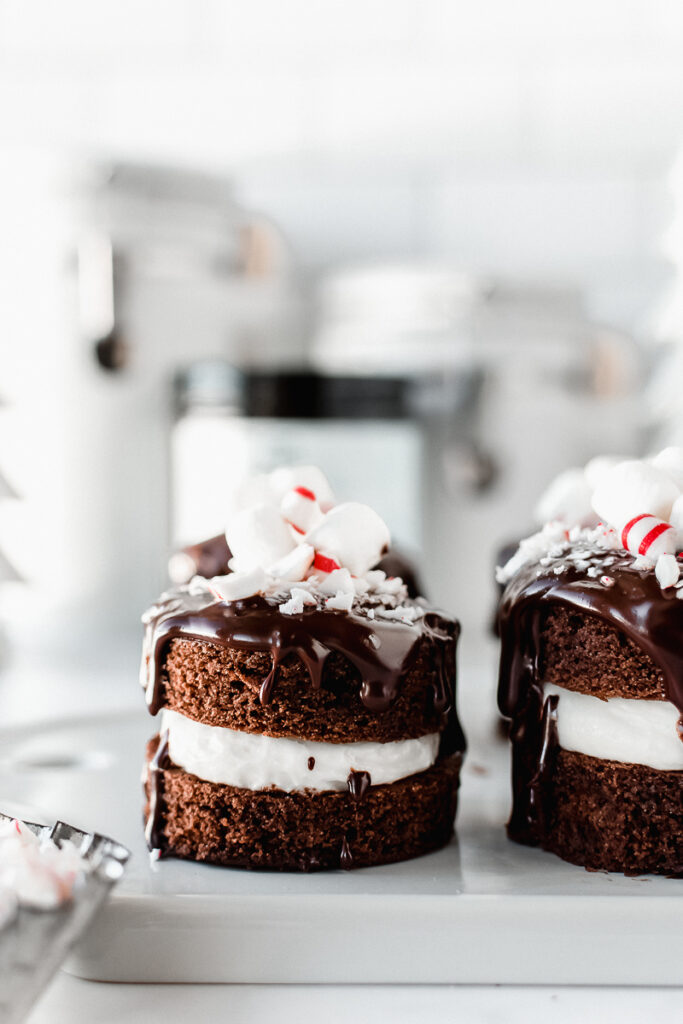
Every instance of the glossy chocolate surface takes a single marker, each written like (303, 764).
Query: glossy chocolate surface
(382, 650)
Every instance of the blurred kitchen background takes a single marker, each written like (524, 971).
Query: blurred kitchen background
(434, 247)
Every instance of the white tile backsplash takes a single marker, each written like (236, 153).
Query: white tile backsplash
(529, 139)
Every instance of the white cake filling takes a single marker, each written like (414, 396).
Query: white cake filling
(619, 729)
(252, 761)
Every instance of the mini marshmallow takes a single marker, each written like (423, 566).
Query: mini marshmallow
(287, 478)
(597, 467)
(353, 535)
(667, 571)
(670, 460)
(648, 537)
(301, 510)
(568, 499)
(238, 585)
(676, 520)
(293, 566)
(258, 536)
(632, 488)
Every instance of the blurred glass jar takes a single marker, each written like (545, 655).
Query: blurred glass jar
(231, 424)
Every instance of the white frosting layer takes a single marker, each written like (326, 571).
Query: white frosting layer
(252, 761)
(619, 729)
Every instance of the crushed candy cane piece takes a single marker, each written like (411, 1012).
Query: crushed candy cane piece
(298, 600)
(339, 580)
(667, 571)
(342, 601)
(323, 564)
(295, 565)
(238, 585)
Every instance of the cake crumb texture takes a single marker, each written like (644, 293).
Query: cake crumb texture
(582, 652)
(610, 816)
(220, 686)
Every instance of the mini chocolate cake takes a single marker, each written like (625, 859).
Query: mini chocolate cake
(307, 714)
(591, 677)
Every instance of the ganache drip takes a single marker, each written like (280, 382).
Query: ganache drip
(160, 761)
(631, 600)
(358, 784)
(345, 856)
(382, 650)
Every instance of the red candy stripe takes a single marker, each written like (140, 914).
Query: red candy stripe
(651, 537)
(325, 564)
(305, 493)
(625, 532)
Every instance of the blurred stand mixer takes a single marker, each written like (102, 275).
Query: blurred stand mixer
(164, 352)
(140, 270)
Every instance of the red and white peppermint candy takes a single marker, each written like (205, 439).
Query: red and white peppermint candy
(321, 563)
(649, 537)
(301, 510)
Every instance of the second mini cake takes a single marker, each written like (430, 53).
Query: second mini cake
(307, 704)
(591, 625)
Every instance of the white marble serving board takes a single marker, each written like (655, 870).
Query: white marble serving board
(482, 910)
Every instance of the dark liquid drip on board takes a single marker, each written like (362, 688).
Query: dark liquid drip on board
(382, 651)
(634, 604)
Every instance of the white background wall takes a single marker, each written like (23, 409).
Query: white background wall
(528, 138)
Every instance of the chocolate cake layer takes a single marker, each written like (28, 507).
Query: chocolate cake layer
(300, 831)
(584, 653)
(222, 686)
(610, 816)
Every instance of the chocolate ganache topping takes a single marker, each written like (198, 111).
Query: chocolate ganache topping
(382, 649)
(583, 576)
(606, 583)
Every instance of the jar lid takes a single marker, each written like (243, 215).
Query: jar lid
(309, 395)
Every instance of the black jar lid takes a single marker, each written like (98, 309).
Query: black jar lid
(292, 394)
(308, 395)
